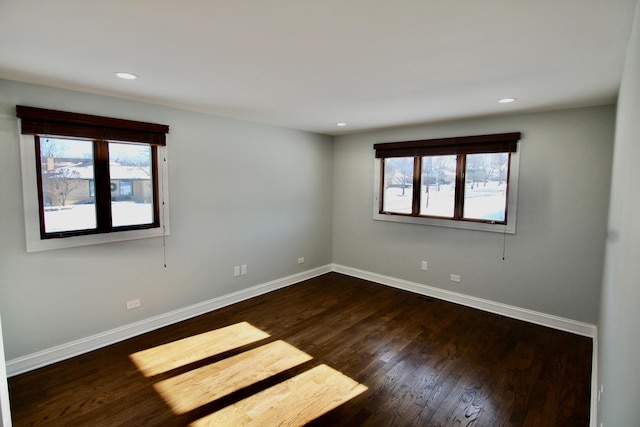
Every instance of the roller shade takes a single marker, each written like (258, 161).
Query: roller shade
(496, 143)
(43, 122)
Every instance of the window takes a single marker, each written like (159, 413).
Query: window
(92, 176)
(465, 182)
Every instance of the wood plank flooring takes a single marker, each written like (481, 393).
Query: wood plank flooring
(331, 351)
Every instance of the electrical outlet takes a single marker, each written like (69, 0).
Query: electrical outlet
(424, 266)
(243, 269)
(301, 260)
(236, 271)
(455, 278)
(134, 303)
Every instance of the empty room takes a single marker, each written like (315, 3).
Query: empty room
(411, 213)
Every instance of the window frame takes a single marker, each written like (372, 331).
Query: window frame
(102, 198)
(36, 122)
(459, 146)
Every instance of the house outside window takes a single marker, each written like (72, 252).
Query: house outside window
(126, 189)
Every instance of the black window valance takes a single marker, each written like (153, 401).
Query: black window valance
(44, 122)
(496, 143)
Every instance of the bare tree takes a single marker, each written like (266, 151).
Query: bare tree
(499, 164)
(60, 183)
(141, 162)
(399, 172)
(433, 172)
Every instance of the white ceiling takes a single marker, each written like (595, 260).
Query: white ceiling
(308, 64)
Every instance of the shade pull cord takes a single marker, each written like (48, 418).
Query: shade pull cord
(504, 242)
(504, 231)
(164, 227)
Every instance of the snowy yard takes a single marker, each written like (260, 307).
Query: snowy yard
(83, 217)
(481, 202)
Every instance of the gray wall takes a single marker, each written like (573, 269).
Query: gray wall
(619, 356)
(554, 261)
(240, 193)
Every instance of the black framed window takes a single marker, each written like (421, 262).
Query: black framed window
(94, 174)
(453, 179)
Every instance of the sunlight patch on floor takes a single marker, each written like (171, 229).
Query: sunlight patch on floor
(179, 353)
(293, 402)
(198, 387)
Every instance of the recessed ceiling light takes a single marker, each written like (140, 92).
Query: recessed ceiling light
(341, 124)
(506, 100)
(127, 76)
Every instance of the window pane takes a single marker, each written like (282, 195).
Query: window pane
(67, 177)
(485, 190)
(438, 186)
(398, 183)
(126, 189)
(131, 178)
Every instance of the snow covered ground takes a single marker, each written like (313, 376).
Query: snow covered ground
(83, 217)
(481, 202)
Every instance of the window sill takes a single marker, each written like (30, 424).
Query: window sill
(35, 244)
(466, 225)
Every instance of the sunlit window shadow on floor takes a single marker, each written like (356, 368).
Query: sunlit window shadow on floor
(166, 357)
(195, 388)
(294, 401)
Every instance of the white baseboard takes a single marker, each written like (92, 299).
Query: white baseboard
(5, 409)
(594, 384)
(94, 342)
(555, 322)
(524, 314)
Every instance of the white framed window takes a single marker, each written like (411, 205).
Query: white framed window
(464, 182)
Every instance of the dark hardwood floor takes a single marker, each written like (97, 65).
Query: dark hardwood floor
(422, 362)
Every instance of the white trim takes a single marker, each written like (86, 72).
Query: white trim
(594, 384)
(32, 210)
(555, 322)
(513, 312)
(5, 408)
(510, 228)
(94, 342)
(84, 345)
